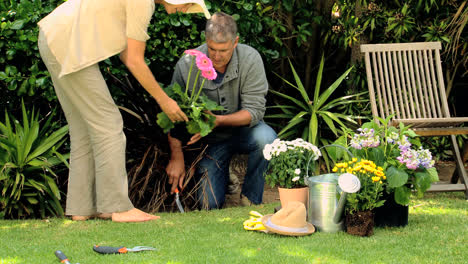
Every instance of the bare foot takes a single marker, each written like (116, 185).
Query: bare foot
(104, 216)
(87, 217)
(81, 217)
(133, 215)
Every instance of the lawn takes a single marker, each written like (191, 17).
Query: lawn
(437, 233)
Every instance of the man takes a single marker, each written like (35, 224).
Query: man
(240, 87)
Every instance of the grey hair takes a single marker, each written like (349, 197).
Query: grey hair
(221, 27)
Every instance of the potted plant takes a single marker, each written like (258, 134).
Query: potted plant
(289, 164)
(360, 205)
(408, 167)
(195, 104)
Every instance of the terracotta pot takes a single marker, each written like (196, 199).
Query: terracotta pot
(360, 223)
(294, 194)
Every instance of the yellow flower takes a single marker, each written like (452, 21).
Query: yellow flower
(375, 179)
(379, 173)
(354, 160)
(341, 165)
(335, 169)
(365, 162)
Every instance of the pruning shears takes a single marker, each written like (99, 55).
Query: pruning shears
(119, 250)
(254, 223)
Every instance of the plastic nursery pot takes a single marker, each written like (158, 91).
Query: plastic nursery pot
(180, 132)
(391, 214)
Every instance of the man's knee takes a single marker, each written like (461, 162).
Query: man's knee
(264, 134)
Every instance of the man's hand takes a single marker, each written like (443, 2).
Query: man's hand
(176, 172)
(194, 138)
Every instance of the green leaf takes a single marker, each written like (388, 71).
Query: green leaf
(47, 143)
(402, 195)
(18, 24)
(433, 175)
(313, 129)
(422, 182)
(294, 100)
(318, 82)
(32, 200)
(53, 186)
(294, 122)
(396, 177)
(324, 96)
(164, 122)
(193, 127)
(377, 155)
(300, 86)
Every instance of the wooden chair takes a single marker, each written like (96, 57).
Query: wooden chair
(406, 79)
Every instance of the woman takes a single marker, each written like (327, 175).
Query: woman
(72, 40)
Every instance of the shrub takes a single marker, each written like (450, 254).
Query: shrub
(28, 158)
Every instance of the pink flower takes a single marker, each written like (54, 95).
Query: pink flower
(209, 74)
(204, 63)
(193, 52)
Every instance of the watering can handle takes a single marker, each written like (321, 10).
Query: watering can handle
(331, 145)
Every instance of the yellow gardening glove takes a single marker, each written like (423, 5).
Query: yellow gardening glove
(254, 223)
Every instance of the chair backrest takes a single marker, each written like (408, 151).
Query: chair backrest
(406, 79)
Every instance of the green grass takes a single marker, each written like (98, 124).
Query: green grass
(437, 233)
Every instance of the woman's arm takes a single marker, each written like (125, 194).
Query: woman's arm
(133, 58)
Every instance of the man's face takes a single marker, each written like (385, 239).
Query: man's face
(220, 53)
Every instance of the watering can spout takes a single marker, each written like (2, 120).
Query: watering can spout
(348, 183)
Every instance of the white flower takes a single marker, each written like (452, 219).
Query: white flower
(296, 178)
(297, 171)
(267, 151)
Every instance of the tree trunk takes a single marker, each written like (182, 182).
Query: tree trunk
(356, 54)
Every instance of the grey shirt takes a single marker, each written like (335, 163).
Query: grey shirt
(243, 87)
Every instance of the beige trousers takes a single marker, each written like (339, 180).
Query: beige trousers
(97, 180)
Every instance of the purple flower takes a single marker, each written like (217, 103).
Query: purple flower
(414, 159)
(365, 139)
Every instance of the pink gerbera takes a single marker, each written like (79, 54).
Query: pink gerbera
(209, 74)
(204, 63)
(193, 52)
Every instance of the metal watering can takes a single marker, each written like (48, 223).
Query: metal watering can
(327, 199)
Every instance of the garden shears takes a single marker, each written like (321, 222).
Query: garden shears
(254, 223)
(119, 250)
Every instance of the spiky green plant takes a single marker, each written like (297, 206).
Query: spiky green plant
(310, 118)
(28, 158)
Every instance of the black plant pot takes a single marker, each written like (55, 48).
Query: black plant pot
(391, 214)
(180, 132)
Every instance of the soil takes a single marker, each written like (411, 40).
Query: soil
(360, 223)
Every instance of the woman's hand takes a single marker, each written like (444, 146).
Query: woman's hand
(133, 58)
(172, 110)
